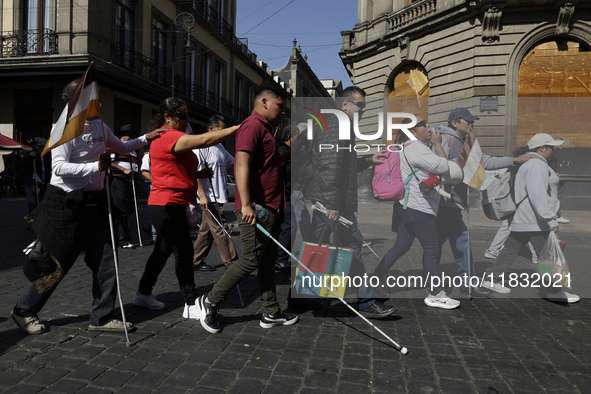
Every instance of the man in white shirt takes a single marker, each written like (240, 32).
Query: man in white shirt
(73, 218)
(218, 159)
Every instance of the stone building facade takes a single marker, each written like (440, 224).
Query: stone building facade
(522, 66)
(140, 48)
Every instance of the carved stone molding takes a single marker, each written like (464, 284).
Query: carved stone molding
(564, 15)
(403, 44)
(491, 24)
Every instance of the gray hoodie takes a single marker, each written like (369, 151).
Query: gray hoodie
(539, 183)
(452, 144)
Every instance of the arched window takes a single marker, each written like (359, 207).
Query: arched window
(409, 91)
(551, 74)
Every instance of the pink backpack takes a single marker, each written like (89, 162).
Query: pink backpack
(387, 183)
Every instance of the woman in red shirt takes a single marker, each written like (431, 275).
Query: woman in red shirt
(173, 167)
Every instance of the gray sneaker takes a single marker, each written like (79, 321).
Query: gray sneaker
(112, 326)
(147, 301)
(28, 325)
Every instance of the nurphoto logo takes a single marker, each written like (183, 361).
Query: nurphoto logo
(344, 131)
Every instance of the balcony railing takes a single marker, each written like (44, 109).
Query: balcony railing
(412, 13)
(144, 67)
(213, 16)
(28, 42)
(243, 46)
(208, 98)
(141, 65)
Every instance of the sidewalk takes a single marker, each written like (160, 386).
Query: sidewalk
(498, 345)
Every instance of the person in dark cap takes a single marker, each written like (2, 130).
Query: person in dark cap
(36, 173)
(450, 224)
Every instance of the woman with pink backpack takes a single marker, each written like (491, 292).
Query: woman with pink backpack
(415, 214)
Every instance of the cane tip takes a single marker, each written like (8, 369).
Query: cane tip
(404, 350)
(129, 344)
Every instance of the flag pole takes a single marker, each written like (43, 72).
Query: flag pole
(114, 245)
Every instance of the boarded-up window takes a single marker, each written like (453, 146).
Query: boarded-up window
(410, 91)
(553, 77)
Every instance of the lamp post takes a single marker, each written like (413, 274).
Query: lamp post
(188, 23)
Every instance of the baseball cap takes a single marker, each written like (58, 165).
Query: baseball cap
(542, 139)
(41, 142)
(461, 113)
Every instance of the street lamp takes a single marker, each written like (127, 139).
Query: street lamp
(188, 25)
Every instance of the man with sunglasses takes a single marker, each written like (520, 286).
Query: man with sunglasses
(334, 185)
(450, 223)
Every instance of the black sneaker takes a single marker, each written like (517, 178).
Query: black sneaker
(279, 319)
(204, 267)
(208, 315)
(281, 266)
(377, 310)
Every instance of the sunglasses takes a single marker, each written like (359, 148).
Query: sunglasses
(470, 122)
(422, 123)
(359, 104)
(182, 116)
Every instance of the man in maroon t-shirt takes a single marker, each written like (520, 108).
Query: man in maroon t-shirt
(259, 181)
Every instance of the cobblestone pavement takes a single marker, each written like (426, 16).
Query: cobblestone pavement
(497, 345)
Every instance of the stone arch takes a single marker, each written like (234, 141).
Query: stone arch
(580, 32)
(407, 89)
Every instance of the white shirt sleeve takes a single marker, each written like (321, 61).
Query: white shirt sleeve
(61, 165)
(146, 163)
(228, 156)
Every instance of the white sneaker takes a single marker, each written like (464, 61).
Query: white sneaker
(534, 259)
(489, 254)
(128, 245)
(496, 287)
(562, 220)
(191, 312)
(147, 301)
(441, 300)
(563, 296)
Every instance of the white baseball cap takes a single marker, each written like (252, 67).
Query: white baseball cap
(542, 139)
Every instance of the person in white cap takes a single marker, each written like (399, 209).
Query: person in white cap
(536, 185)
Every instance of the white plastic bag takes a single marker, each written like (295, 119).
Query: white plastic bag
(551, 261)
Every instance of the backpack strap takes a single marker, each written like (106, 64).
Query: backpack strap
(408, 179)
(407, 186)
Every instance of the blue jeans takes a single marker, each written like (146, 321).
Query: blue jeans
(451, 226)
(348, 238)
(415, 224)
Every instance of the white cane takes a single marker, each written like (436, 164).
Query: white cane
(115, 256)
(137, 214)
(402, 349)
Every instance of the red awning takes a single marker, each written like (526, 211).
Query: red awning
(9, 143)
